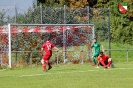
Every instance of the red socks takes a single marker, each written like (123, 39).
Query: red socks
(48, 63)
(44, 67)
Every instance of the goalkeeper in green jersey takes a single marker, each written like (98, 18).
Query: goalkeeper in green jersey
(97, 48)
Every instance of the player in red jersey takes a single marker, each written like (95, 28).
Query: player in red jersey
(104, 60)
(47, 48)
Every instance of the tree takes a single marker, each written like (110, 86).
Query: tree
(121, 30)
(92, 2)
(48, 2)
(2, 17)
(78, 3)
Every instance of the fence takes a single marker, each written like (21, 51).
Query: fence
(118, 55)
(122, 55)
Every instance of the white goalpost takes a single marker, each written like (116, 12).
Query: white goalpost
(63, 35)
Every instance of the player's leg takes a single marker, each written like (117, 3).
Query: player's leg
(94, 58)
(45, 61)
(43, 64)
(49, 65)
(103, 63)
(48, 62)
(109, 62)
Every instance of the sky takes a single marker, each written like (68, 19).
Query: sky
(21, 5)
(10, 5)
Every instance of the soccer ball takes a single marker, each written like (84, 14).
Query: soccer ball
(65, 60)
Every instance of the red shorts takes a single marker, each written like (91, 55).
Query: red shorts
(46, 57)
(105, 62)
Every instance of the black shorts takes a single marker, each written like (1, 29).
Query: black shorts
(105, 62)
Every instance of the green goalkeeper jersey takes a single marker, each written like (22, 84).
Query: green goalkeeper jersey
(96, 47)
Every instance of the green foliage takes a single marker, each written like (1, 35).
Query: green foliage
(2, 17)
(49, 15)
(121, 27)
(32, 16)
(100, 19)
(121, 30)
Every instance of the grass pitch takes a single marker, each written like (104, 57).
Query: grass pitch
(68, 76)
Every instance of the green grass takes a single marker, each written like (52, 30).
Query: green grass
(117, 45)
(69, 76)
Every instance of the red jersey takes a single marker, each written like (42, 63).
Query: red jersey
(104, 57)
(47, 47)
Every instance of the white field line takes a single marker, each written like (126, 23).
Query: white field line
(74, 72)
(2, 70)
(121, 68)
(48, 73)
(55, 73)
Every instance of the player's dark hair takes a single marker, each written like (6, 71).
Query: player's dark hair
(95, 39)
(47, 39)
(101, 52)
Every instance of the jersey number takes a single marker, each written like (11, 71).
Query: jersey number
(48, 46)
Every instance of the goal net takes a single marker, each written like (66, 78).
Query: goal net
(21, 43)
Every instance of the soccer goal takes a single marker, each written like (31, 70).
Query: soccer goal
(21, 43)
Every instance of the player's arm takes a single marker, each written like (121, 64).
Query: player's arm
(102, 48)
(57, 49)
(109, 59)
(42, 54)
(41, 49)
(92, 45)
(92, 48)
